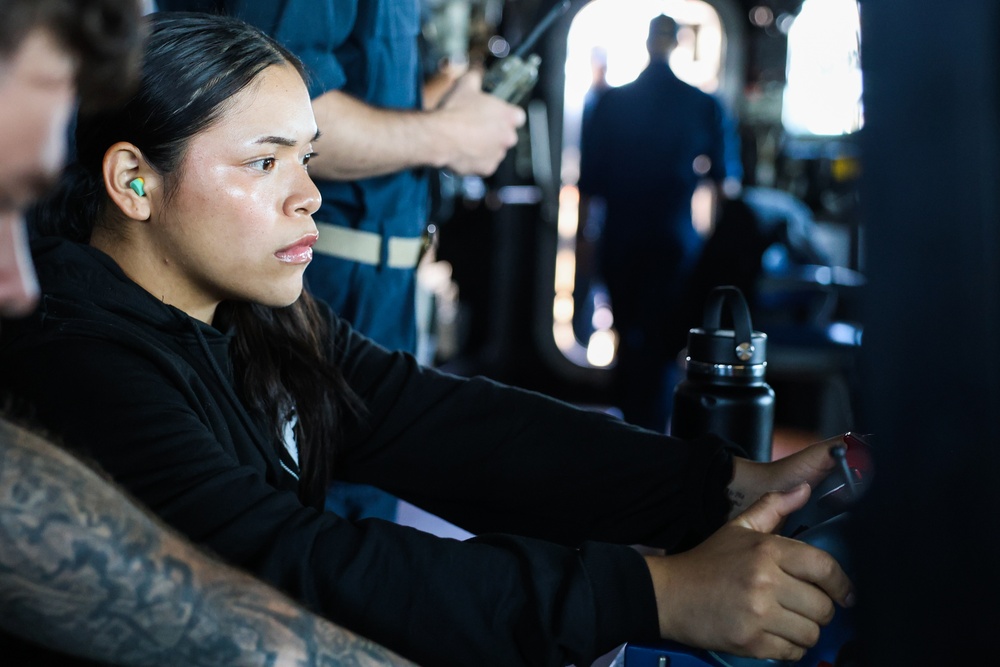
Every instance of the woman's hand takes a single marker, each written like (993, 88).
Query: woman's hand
(751, 480)
(747, 592)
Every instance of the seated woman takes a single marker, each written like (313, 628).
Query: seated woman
(176, 346)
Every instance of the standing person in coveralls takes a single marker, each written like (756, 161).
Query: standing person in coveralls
(645, 149)
(365, 75)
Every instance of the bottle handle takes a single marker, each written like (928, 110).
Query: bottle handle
(742, 326)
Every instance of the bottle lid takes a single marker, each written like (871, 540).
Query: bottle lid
(736, 352)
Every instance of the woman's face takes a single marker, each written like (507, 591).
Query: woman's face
(239, 224)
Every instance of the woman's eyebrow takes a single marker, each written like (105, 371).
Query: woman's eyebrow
(284, 141)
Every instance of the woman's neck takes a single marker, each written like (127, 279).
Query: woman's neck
(141, 262)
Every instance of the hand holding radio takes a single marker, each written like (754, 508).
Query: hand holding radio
(480, 127)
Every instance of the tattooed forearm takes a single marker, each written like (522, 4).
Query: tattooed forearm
(83, 570)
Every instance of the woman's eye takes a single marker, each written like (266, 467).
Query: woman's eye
(306, 159)
(264, 164)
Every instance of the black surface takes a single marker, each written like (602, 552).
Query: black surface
(926, 550)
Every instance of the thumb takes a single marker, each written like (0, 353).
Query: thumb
(765, 515)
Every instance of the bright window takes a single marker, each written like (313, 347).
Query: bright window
(823, 91)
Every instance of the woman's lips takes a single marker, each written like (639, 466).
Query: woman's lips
(299, 252)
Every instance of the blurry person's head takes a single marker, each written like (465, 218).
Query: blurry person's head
(49, 50)
(219, 131)
(662, 38)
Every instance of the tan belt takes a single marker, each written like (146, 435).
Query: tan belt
(366, 247)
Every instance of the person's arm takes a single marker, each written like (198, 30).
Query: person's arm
(79, 561)
(492, 456)
(469, 132)
(521, 457)
(727, 592)
(495, 458)
(179, 444)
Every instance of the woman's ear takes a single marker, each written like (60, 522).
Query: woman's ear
(129, 180)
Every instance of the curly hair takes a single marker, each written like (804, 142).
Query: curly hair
(104, 35)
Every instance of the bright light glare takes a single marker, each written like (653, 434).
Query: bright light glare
(823, 93)
(565, 270)
(564, 336)
(843, 333)
(562, 308)
(703, 209)
(569, 212)
(601, 348)
(602, 318)
(761, 16)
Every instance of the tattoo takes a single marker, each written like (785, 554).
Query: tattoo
(738, 500)
(84, 571)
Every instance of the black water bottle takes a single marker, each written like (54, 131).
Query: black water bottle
(724, 391)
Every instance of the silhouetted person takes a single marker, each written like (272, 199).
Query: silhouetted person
(644, 151)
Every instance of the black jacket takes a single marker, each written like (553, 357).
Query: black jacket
(551, 491)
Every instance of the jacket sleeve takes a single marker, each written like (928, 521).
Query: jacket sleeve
(499, 600)
(489, 458)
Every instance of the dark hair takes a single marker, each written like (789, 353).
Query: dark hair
(103, 34)
(194, 64)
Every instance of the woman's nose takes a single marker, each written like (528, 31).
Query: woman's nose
(305, 198)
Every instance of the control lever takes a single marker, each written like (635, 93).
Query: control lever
(842, 487)
(821, 522)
